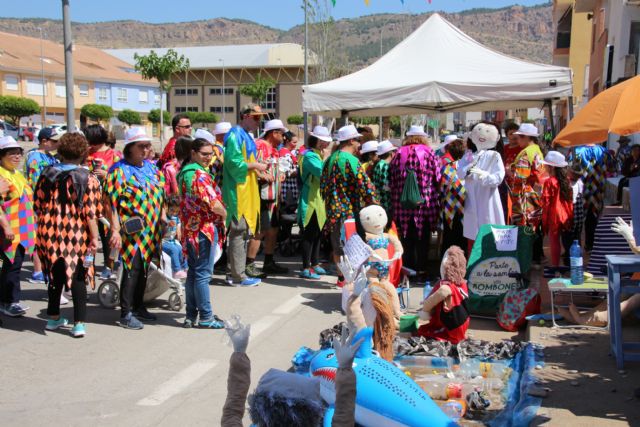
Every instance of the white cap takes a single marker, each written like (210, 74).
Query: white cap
(369, 147)
(8, 142)
(527, 129)
(447, 140)
(385, 146)
(555, 158)
(416, 130)
(348, 132)
(135, 134)
(222, 128)
(322, 133)
(206, 135)
(275, 124)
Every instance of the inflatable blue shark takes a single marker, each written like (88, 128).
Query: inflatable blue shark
(385, 396)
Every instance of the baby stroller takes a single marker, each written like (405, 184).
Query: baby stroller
(159, 280)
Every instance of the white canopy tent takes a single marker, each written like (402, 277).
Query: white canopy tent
(438, 68)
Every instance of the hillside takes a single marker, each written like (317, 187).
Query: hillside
(524, 32)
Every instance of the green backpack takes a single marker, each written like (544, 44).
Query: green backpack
(411, 197)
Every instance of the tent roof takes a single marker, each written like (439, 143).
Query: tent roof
(439, 68)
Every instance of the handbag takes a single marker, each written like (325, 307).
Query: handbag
(133, 225)
(269, 190)
(411, 197)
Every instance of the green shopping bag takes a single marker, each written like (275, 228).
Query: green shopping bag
(411, 197)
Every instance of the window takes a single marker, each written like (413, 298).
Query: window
(61, 90)
(156, 98)
(11, 82)
(219, 109)
(35, 87)
(83, 88)
(122, 95)
(182, 92)
(271, 100)
(143, 97)
(218, 91)
(185, 109)
(102, 94)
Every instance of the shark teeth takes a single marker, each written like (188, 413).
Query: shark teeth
(328, 374)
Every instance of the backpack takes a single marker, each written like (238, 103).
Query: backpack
(516, 306)
(52, 177)
(411, 197)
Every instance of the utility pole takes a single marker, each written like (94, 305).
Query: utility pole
(44, 86)
(68, 65)
(223, 92)
(306, 67)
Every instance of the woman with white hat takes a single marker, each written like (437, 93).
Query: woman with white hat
(369, 156)
(386, 152)
(135, 188)
(557, 202)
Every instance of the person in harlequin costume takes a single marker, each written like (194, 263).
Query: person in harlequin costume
(453, 195)
(240, 192)
(444, 310)
(344, 187)
(135, 188)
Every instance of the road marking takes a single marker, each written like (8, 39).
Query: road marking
(178, 382)
(262, 325)
(288, 306)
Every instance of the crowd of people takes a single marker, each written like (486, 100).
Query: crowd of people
(218, 198)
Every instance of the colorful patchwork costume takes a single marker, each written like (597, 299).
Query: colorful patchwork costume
(18, 207)
(381, 181)
(34, 163)
(526, 190)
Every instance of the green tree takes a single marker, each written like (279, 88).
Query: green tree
(154, 116)
(97, 112)
(161, 68)
(202, 117)
(295, 119)
(129, 117)
(14, 108)
(258, 89)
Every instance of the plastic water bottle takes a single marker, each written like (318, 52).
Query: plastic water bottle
(426, 290)
(575, 257)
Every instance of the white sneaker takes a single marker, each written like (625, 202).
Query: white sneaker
(63, 300)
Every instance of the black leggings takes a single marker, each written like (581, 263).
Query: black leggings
(416, 249)
(78, 290)
(590, 224)
(311, 237)
(133, 285)
(10, 277)
(453, 235)
(105, 234)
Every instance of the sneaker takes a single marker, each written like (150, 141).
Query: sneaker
(107, 274)
(130, 322)
(14, 310)
(188, 323)
(180, 275)
(308, 273)
(37, 278)
(78, 330)
(340, 283)
(273, 268)
(214, 323)
(249, 282)
(52, 324)
(319, 270)
(63, 300)
(252, 271)
(143, 314)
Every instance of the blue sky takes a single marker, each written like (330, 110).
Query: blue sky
(282, 14)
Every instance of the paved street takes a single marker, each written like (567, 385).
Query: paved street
(163, 375)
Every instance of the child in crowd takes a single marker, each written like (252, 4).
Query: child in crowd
(577, 187)
(557, 202)
(171, 239)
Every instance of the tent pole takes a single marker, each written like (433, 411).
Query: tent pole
(570, 106)
(553, 125)
(344, 115)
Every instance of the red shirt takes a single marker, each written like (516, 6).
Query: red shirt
(169, 152)
(449, 324)
(103, 159)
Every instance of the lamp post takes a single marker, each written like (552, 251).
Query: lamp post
(68, 65)
(44, 98)
(306, 66)
(223, 92)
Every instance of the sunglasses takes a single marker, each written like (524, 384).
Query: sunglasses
(184, 126)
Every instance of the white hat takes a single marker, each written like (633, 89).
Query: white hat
(369, 147)
(385, 146)
(275, 124)
(348, 132)
(322, 133)
(8, 142)
(204, 134)
(555, 158)
(527, 129)
(416, 130)
(448, 140)
(222, 128)
(135, 134)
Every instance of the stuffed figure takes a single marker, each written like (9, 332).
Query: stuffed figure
(445, 309)
(483, 172)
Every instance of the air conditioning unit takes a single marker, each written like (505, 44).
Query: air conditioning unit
(630, 64)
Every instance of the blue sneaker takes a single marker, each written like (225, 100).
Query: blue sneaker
(14, 310)
(249, 282)
(214, 323)
(130, 322)
(319, 270)
(308, 273)
(37, 278)
(52, 324)
(107, 274)
(78, 330)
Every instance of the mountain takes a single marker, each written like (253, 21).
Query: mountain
(523, 32)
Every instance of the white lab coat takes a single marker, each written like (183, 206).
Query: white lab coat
(482, 204)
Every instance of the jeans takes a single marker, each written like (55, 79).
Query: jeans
(198, 278)
(78, 290)
(10, 277)
(133, 285)
(174, 250)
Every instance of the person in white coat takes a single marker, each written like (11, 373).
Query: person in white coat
(483, 171)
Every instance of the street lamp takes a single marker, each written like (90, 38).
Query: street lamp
(44, 98)
(223, 91)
